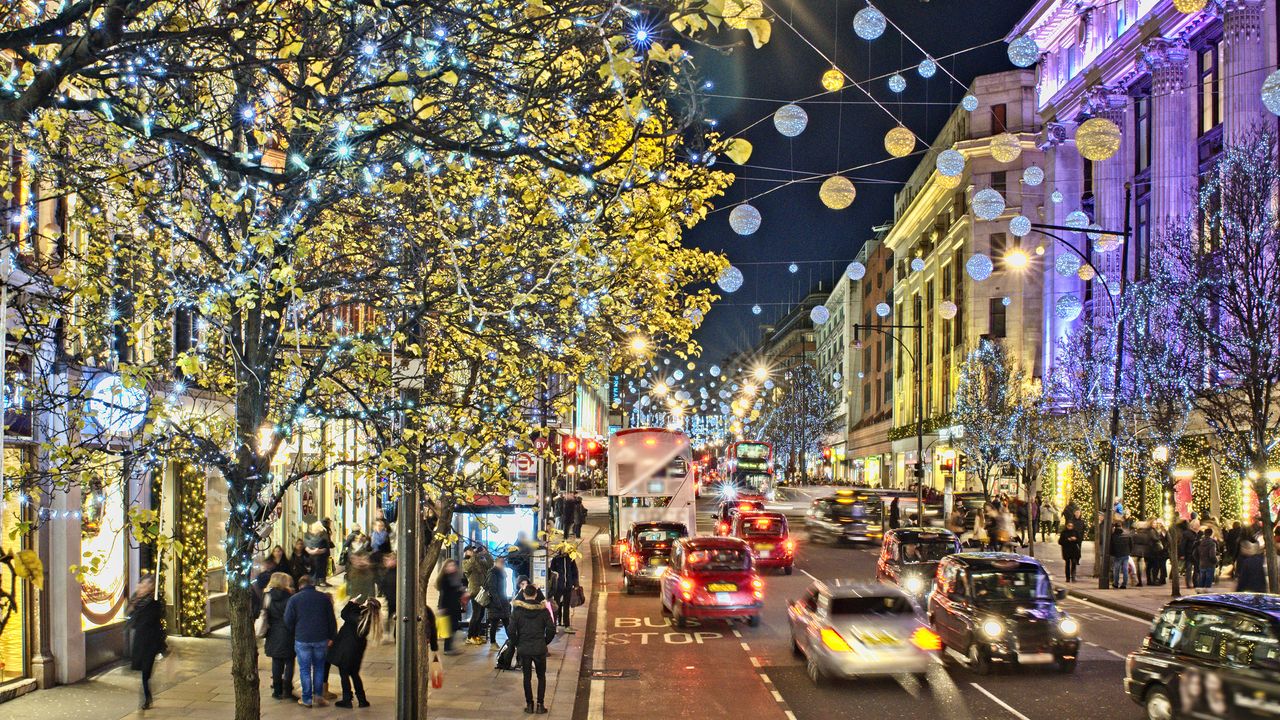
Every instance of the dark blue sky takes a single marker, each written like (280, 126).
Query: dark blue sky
(796, 227)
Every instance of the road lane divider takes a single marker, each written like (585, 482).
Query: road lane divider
(1000, 702)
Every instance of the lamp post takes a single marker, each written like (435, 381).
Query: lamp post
(917, 360)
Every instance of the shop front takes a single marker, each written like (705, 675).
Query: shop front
(17, 597)
(495, 523)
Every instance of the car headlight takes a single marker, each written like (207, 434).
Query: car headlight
(1069, 626)
(914, 585)
(992, 628)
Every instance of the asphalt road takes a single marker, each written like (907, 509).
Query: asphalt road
(719, 670)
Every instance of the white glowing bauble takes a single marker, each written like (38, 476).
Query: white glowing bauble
(837, 192)
(1068, 307)
(969, 102)
(768, 385)
(883, 309)
(756, 309)
(1056, 196)
(1271, 92)
(988, 204)
(730, 279)
(1067, 264)
(947, 309)
(1097, 139)
(899, 142)
(1005, 148)
(1006, 301)
(1077, 219)
(678, 374)
(1086, 273)
(714, 370)
(869, 23)
(744, 219)
(790, 120)
(927, 68)
(793, 268)
(115, 408)
(1032, 176)
(819, 315)
(1093, 231)
(950, 163)
(1020, 225)
(897, 83)
(917, 265)
(1023, 51)
(979, 267)
(856, 270)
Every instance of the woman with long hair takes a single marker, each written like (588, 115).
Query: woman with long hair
(299, 561)
(279, 641)
(360, 621)
(146, 622)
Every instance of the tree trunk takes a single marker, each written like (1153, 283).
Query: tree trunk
(434, 545)
(1261, 489)
(244, 645)
(1175, 566)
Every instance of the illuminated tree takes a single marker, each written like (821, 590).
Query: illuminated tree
(797, 416)
(986, 403)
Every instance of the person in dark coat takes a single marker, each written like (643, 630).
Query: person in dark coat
(275, 562)
(1206, 559)
(278, 644)
(1070, 540)
(1231, 545)
(1121, 548)
(895, 515)
(579, 515)
(299, 561)
(563, 579)
(499, 609)
(520, 555)
(360, 574)
(531, 629)
(450, 602)
(569, 513)
(319, 544)
(1157, 553)
(146, 622)
(476, 563)
(1251, 571)
(309, 614)
(359, 620)
(1142, 551)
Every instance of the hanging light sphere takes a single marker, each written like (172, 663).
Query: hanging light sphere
(730, 279)
(1032, 176)
(1086, 273)
(790, 120)
(1098, 139)
(979, 267)
(1093, 231)
(1005, 148)
(950, 163)
(869, 23)
(837, 192)
(1024, 52)
(1271, 92)
(883, 309)
(1077, 219)
(1189, 6)
(1067, 264)
(897, 83)
(793, 268)
(899, 142)
(1006, 301)
(832, 80)
(744, 219)
(819, 315)
(969, 102)
(988, 204)
(917, 265)
(948, 182)
(1056, 196)
(1106, 242)
(1068, 307)
(714, 370)
(756, 309)
(1020, 225)
(856, 270)
(927, 68)
(947, 310)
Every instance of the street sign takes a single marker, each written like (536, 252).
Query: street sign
(540, 443)
(524, 466)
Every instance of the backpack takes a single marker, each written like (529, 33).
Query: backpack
(506, 657)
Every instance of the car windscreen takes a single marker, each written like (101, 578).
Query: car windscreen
(653, 536)
(850, 510)
(888, 605)
(926, 550)
(1010, 585)
(719, 559)
(764, 527)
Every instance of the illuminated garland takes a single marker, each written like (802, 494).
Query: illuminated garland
(191, 546)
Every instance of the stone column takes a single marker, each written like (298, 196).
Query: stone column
(1173, 160)
(1109, 177)
(1244, 67)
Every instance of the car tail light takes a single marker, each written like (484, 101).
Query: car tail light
(832, 640)
(757, 588)
(926, 639)
(723, 528)
(789, 545)
(632, 562)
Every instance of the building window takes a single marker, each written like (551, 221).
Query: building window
(866, 398)
(999, 116)
(998, 248)
(946, 337)
(996, 308)
(1142, 132)
(1073, 60)
(946, 281)
(1142, 228)
(1000, 182)
(1209, 69)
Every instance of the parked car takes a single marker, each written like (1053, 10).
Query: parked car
(909, 558)
(772, 546)
(712, 578)
(1210, 656)
(647, 552)
(1000, 607)
(846, 628)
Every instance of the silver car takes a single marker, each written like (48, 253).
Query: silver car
(846, 628)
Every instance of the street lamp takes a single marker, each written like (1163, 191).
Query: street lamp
(917, 359)
(761, 373)
(639, 345)
(1017, 259)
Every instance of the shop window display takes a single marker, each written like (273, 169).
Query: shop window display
(15, 594)
(105, 542)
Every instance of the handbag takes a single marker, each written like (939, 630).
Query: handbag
(437, 672)
(260, 624)
(482, 597)
(578, 598)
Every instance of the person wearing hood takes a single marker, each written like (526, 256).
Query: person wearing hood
(530, 629)
(499, 608)
(475, 568)
(449, 603)
(359, 620)
(146, 620)
(278, 644)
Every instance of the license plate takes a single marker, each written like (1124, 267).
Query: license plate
(724, 598)
(765, 553)
(1032, 658)
(657, 561)
(765, 547)
(721, 587)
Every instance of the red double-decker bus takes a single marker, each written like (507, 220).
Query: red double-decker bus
(748, 468)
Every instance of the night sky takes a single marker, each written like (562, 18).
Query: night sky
(844, 130)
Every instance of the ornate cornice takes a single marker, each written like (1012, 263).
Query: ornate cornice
(1167, 61)
(1242, 20)
(1107, 101)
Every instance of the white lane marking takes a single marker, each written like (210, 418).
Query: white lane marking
(1113, 652)
(1000, 702)
(766, 679)
(791, 715)
(755, 661)
(1140, 621)
(736, 633)
(806, 572)
(746, 647)
(595, 695)
(778, 696)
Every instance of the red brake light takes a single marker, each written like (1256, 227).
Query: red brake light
(724, 527)
(926, 639)
(757, 583)
(686, 584)
(744, 506)
(789, 545)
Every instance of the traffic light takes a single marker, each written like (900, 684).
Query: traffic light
(826, 453)
(569, 447)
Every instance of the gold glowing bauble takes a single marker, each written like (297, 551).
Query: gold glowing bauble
(1097, 139)
(1189, 6)
(837, 192)
(948, 182)
(1086, 272)
(899, 142)
(1005, 148)
(833, 80)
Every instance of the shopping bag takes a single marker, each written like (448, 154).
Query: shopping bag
(444, 627)
(260, 624)
(578, 598)
(437, 673)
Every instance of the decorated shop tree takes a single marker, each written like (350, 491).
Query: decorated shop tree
(985, 405)
(1223, 262)
(797, 415)
(307, 190)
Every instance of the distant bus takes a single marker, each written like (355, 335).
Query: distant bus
(748, 468)
(650, 478)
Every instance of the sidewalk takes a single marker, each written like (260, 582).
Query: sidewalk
(1144, 602)
(198, 687)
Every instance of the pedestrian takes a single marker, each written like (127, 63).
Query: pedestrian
(1206, 559)
(1157, 553)
(1231, 546)
(359, 621)
(476, 563)
(499, 608)
(1121, 548)
(1142, 537)
(531, 629)
(360, 574)
(449, 603)
(579, 515)
(1070, 540)
(276, 561)
(309, 615)
(955, 521)
(1188, 539)
(351, 539)
(568, 513)
(563, 580)
(895, 515)
(520, 555)
(278, 644)
(1004, 528)
(319, 549)
(299, 561)
(1251, 574)
(1048, 518)
(146, 625)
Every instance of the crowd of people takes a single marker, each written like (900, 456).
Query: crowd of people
(1205, 553)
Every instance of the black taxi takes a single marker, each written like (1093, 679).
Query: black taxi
(1210, 656)
(647, 552)
(1000, 608)
(909, 557)
(846, 516)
